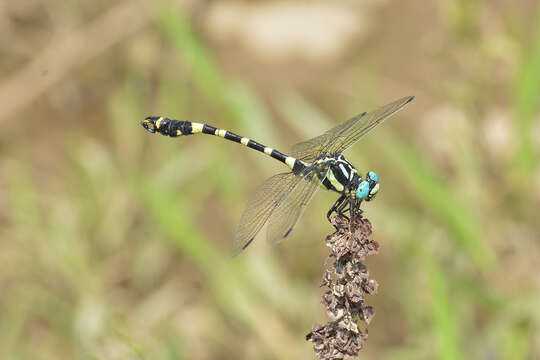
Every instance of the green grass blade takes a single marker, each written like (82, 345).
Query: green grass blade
(527, 101)
(445, 317)
(193, 53)
(174, 220)
(518, 341)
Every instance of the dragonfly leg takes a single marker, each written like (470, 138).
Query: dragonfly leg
(342, 206)
(354, 207)
(336, 205)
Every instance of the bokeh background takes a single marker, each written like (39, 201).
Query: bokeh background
(114, 243)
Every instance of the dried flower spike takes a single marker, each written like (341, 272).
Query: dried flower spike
(347, 281)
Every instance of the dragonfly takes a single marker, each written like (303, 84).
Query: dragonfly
(281, 199)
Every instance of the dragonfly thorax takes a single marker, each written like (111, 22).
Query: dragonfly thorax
(342, 177)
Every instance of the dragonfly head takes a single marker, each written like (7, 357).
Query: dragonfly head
(368, 188)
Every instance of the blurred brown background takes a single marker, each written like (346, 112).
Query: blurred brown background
(114, 243)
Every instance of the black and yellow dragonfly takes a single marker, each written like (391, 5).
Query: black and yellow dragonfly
(281, 199)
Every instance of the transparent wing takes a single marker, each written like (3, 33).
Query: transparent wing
(260, 206)
(357, 129)
(290, 209)
(309, 150)
(346, 134)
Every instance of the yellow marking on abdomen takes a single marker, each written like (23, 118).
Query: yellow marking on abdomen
(158, 122)
(268, 150)
(196, 128)
(290, 161)
(220, 133)
(244, 141)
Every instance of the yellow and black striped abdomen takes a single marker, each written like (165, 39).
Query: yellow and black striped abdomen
(175, 128)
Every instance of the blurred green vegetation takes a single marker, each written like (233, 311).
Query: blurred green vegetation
(114, 243)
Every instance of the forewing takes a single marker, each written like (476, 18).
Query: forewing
(290, 209)
(357, 129)
(309, 150)
(260, 206)
(346, 134)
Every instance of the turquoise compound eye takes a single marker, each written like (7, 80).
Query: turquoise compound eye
(373, 176)
(363, 190)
